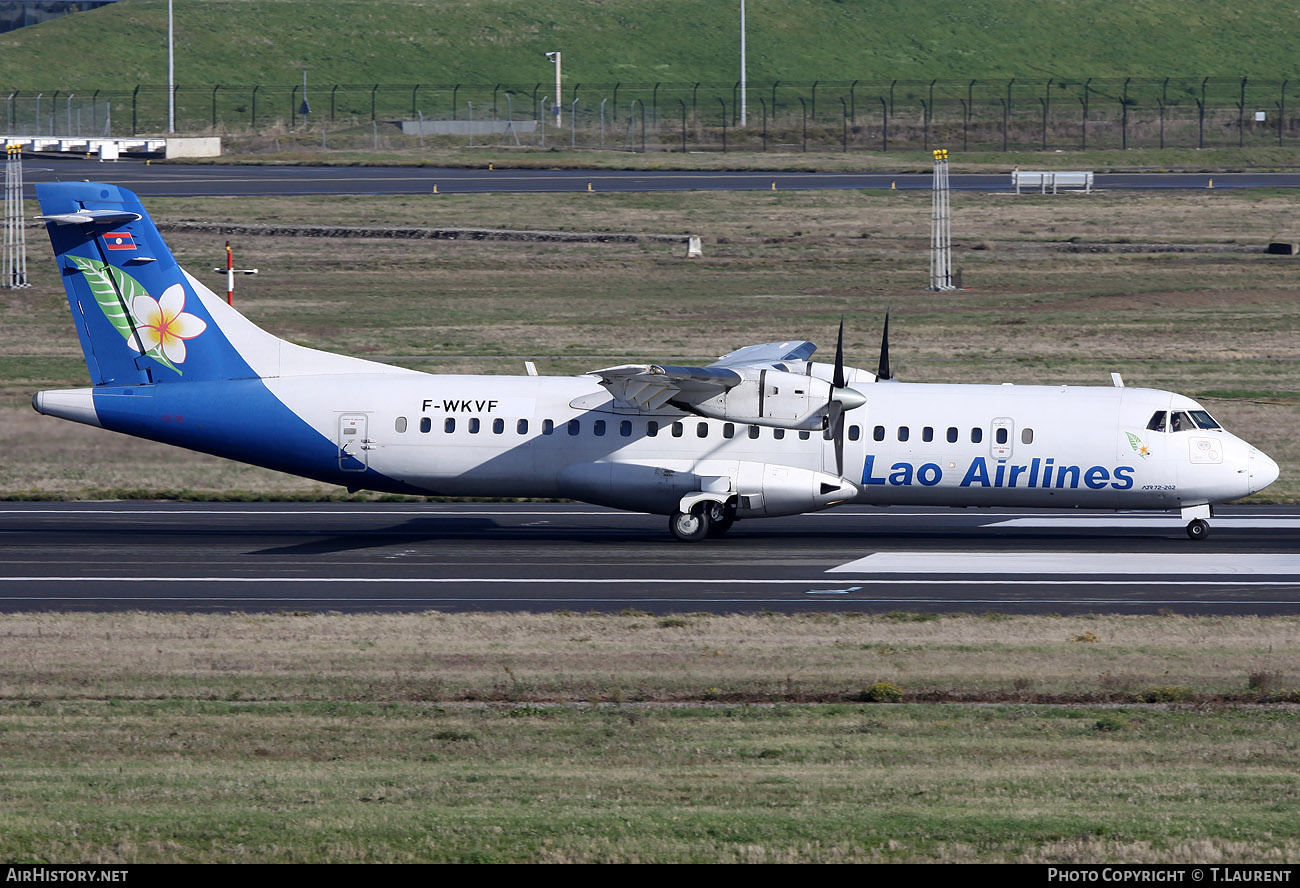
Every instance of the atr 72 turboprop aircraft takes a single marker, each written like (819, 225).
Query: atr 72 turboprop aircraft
(762, 432)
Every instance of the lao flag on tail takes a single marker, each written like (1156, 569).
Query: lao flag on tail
(119, 240)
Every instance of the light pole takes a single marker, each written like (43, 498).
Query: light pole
(171, 70)
(742, 62)
(555, 57)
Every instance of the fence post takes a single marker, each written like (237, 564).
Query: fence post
(763, 102)
(214, 104)
(1005, 115)
(681, 102)
(54, 111)
(1200, 126)
(654, 106)
(884, 130)
(724, 124)
(253, 123)
(1281, 111)
(1123, 126)
(805, 105)
(373, 90)
(814, 101)
(293, 109)
(965, 122)
(853, 102)
(925, 123)
(454, 90)
(775, 84)
(414, 92)
(1241, 117)
(1161, 102)
(1047, 109)
(735, 103)
(134, 128)
(844, 135)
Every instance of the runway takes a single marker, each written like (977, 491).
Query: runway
(542, 557)
(176, 180)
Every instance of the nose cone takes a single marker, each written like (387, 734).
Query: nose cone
(1263, 471)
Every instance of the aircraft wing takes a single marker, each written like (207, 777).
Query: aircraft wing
(649, 386)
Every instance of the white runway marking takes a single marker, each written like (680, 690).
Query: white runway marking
(642, 581)
(1172, 567)
(1154, 521)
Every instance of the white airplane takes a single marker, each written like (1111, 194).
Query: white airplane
(762, 432)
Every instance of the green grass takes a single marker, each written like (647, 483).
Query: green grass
(493, 41)
(561, 737)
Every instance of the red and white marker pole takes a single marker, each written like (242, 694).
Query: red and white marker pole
(230, 275)
(230, 270)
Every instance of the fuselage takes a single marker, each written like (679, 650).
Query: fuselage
(532, 436)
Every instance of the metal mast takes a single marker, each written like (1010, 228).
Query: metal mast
(940, 226)
(13, 271)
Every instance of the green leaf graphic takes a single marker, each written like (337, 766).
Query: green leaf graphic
(101, 278)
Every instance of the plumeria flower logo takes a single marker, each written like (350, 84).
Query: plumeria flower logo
(163, 323)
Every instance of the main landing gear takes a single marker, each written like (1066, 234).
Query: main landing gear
(1197, 527)
(705, 519)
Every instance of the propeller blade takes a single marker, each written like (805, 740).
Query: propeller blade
(883, 371)
(837, 432)
(839, 357)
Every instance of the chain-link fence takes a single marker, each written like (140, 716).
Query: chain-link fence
(824, 115)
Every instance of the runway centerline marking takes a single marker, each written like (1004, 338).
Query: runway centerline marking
(1164, 564)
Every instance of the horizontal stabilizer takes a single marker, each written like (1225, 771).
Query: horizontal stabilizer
(91, 217)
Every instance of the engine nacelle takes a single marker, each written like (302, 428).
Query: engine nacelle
(767, 490)
(770, 398)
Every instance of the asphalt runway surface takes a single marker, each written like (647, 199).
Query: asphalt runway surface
(174, 180)
(542, 557)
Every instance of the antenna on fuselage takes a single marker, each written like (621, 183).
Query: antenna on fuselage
(883, 371)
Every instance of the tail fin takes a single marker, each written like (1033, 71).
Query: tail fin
(137, 313)
(140, 317)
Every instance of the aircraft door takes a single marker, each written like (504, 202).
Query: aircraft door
(1001, 434)
(353, 442)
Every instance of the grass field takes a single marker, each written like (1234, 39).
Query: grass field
(631, 738)
(493, 41)
(1170, 289)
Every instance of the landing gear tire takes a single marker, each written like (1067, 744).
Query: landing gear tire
(692, 526)
(720, 519)
(1198, 529)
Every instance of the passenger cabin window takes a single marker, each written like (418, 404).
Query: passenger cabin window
(678, 428)
(474, 425)
(1204, 420)
(498, 426)
(1157, 423)
(927, 434)
(778, 434)
(625, 428)
(651, 429)
(701, 430)
(952, 434)
(574, 427)
(729, 430)
(753, 431)
(976, 435)
(400, 425)
(426, 424)
(878, 433)
(548, 427)
(804, 436)
(598, 428)
(1026, 436)
(448, 426)
(1001, 435)
(522, 427)
(903, 433)
(854, 433)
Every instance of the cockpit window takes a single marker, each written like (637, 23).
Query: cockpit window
(1204, 420)
(1180, 422)
(1157, 423)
